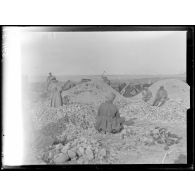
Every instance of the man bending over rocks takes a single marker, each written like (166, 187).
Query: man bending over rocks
(108, 117)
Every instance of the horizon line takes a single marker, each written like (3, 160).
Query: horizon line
(107, 74)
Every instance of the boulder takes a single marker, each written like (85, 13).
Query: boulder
(65, 148)
(102, 153)
(59, 146)
(51, 154)
(89, 154)
(61, 158)
(81, 151)
(71, 154)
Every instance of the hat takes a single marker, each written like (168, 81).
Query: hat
(111, 97)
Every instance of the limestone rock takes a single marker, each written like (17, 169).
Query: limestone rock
(81, 150)
(59, 146)
(71, 154)
(61, 158)
(89, 154)
(102, 153)
(65, 148)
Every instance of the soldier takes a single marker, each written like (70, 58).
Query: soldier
(161, 97)
(146, 94)
(50, 79)
(108, 117)
(56, 97)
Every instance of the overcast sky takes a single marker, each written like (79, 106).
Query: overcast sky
(83, 53)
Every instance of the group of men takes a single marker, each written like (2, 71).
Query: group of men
(108, 117)
(160, 98)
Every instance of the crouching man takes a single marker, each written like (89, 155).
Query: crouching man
(161, 97)
(108, 117)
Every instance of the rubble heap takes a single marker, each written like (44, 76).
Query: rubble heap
(177, 90)
(93, 93)
(73, 147)
(172, 111)
(75, 141)
(78, 114)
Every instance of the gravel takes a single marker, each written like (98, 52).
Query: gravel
(72, 125)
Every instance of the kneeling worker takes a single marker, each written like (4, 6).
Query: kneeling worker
(108, 117)
(161, 97)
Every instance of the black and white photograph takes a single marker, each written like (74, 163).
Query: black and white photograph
(96, 97)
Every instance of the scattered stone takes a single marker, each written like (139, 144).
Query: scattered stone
(80, 161)
(74, 123)
(71, 154)
(149, 141)
(166, 147)
(61, 158)
(59, 146)
(51, 154)
(81, 150)
(102, 153)
(65, 148)
(89, 154)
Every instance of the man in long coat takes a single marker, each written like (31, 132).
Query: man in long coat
(108, 117)
(146, 94)
(50, 79)
(56, 97)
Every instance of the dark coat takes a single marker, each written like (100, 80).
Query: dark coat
(56, 98)
(108, 118)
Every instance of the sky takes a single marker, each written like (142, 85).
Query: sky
(91, 53)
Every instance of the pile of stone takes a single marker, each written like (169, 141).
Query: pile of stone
(78, 114)
(93, 93)
(75, 142)
(133, 110)
(172, 111)
(75, 150)
(175, 88)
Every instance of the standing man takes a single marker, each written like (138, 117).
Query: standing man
(50, 78)
(56, 96)
(146, 94)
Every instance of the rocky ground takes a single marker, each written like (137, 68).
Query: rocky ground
(66, 135)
